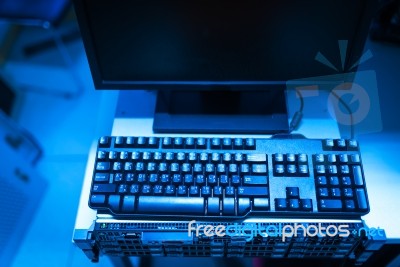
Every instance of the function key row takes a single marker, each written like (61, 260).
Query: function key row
(214, 143)
(178, 142)
(180, 156)
(339, 145)
(336, 159)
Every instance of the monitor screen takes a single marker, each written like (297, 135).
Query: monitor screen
(181, 44)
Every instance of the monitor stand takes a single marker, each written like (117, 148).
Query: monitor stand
(221, 111)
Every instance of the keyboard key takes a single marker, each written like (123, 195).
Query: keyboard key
(142, 141)
(211, 179)
(229, 191)
(128, 204)
(355, 158)
(348, 192)
(256, 157)
(122, 189)
(213, 206)
(332, 158)
(322, 192)
(177, 179)
(292, 192)
(357, 175)
(346, 181)
(343, 158)
(278, 157)
(178, 142)
(259, 168)
(158, 189)
(294, 204)
(238, 143)
(279, 170)
(344, 169)
(181, 156)
(303, 169)
(146, 189)
(243, 206)
(102, 166)
(189, 142)
(128, 166)
(210, 168)
(291, 169)
(320, 169)
(335, 192)
(118, 177)
(171, 205)
(302, 158)
(198, 168)
(233, 168)
(166, 142)
(319, 158)
(306, 204)
(244, 168)
(330, 204)
(221, 168)
(194, 190)
(188, 179)
(165, 178)
(135, 189)
(141, 178)
(238, 157)
(135, 156)
(228, 206)
(321, 180)
(215, 143)
(280, 204)
(192, 157)
(182, 190)
(223, 180)
(333, 180)
(130, 141)
(101, 177)
(227, 157)
(205, 191)
(170, 190)
(101, 155)
(244, 191)
(104, 141)
(129, 177)
(261, 204)
(146, 156)
(250, 144)
(226, 143)
(361, 199)
(104, 188)
(290, 157)
(235, 180)
(153, 142)
(97, 200)
(350, 205)
(201, 143)
(153, 178)
(114, 202)
(217, 191)
(255, 180)
(200, 179)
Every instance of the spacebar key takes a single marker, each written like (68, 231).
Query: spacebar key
(171, 205)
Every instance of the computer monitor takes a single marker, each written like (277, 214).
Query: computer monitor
(218, 65)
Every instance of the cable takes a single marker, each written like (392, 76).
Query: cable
(298, 115)
(348, 110)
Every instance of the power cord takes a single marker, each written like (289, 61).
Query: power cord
(298, 115)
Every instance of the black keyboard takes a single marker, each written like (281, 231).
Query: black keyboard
(228, 177)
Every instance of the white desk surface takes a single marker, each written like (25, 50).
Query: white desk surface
(379, 154)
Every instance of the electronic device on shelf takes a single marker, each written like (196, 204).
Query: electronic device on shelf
(217, 178)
